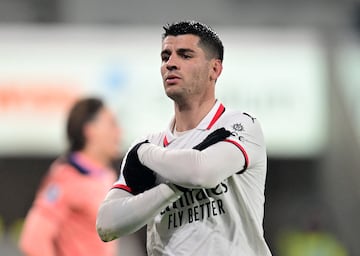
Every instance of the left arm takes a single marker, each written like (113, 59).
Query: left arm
(192, 168)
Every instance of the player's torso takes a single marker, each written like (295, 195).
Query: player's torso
(202, 221)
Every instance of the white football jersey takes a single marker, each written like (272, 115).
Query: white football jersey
(224, 220)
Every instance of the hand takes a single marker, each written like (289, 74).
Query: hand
(137, 176)
(214, 137)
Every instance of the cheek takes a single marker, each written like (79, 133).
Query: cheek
(200, 75)
(114, 135)
(162, 69)
(108, 136)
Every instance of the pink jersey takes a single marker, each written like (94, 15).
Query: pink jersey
(62, 219)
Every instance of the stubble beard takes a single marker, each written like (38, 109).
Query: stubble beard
(178, 97)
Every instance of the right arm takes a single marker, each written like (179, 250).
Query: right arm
(122, 213)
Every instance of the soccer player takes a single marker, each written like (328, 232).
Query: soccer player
(62, 219)
(198, 185)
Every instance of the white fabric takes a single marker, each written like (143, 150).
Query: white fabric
(192, 168)
(224, 214)
(121, 213)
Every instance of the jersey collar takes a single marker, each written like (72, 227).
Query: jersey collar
(86, 165)
(210, 119)
(206, 123)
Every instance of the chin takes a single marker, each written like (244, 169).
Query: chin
(174, 95)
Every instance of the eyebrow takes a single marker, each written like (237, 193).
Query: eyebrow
(184, 50)
(178, 51)
(165, 52)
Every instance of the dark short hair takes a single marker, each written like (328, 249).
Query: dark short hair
(82, 112)
(208, 37)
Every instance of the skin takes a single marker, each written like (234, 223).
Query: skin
(189, 76)
(102, 138)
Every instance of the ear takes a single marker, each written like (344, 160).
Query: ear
(215, 69)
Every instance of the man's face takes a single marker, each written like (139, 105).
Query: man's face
(185, 70)
(104, 133)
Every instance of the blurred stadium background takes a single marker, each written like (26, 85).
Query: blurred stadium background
(295, 64)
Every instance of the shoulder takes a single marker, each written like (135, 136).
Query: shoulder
(54, 187)
(242, 125)
(154, 138)
(61, 176)
(62, 170)
(234, 113)
(238, 120)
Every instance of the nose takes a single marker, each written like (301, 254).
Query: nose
(171, 63)
(170, 68)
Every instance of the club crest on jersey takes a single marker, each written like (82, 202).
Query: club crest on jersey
(238, 127)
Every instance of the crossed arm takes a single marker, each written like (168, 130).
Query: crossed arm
(122, 213)
(192, 168)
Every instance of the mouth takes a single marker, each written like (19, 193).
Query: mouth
(172, 79)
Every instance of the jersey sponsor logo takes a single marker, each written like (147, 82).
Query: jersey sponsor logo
(195, 205)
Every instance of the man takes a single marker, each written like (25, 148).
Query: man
(62, 219)
(199, 185)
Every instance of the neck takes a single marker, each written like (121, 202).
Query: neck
(189, 115)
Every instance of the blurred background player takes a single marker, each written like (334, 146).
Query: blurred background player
(62, 219)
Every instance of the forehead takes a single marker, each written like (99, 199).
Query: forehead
(181, 41)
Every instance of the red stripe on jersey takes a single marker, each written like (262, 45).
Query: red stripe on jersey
(165, 142)
(244, 153)
(123, 187)
(217, 115)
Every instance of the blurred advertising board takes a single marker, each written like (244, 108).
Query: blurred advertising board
(277, 75)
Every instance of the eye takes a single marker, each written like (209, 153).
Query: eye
(186, 56)
(164, 57)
